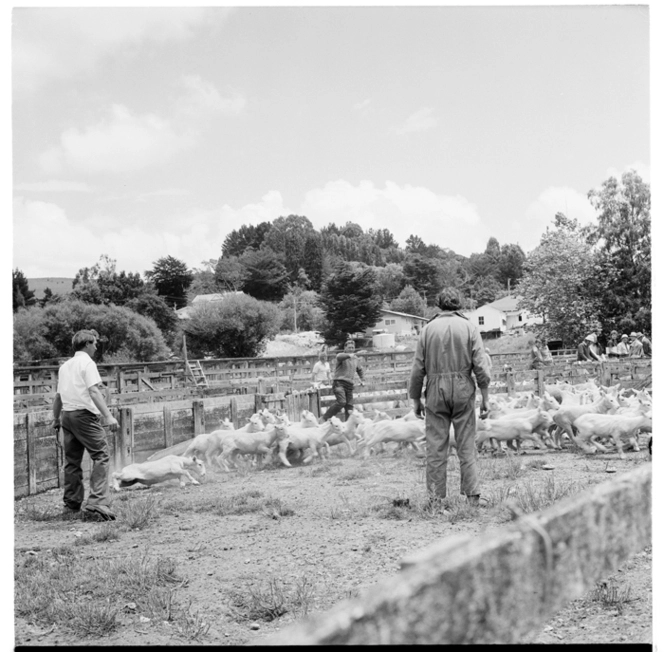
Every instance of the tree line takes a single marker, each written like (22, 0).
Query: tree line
(286, 275)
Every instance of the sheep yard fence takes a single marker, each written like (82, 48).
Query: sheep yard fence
(165, 418)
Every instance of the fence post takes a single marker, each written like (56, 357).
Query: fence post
(199, 417)
(125, 440)
(234, 414)
(509, 382)
(258, 401)
(32, 453)
(540, 382)
(168, 427)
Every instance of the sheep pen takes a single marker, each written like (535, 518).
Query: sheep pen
(248, 552)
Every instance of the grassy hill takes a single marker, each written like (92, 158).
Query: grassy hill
(58, 285)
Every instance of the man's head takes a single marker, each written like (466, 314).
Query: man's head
(322, 357)
(84, 339)
(349, 345)
(449, 299)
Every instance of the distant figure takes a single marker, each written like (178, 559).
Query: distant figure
(647, 346)
(622, 350)
(635, 346)
(585, 352)
(347, 365)
(612, 345)
(540, 356)
(321, 374)
(487, 353)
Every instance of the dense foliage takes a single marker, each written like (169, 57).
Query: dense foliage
(41, 333)
(350, 302)
(237, 327)
(172, 279)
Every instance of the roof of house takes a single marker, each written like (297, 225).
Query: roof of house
(184, 313)
(506, 304)
(403, 314)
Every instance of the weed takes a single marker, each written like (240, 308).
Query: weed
(354, 474)
(275, 507)
(88, 618)
(138, 514)
(610, 596)
(106, 532)
(272, 599)
(192, 626)
(319, 470)
(531, 498)
(34, 513)
(245, 502)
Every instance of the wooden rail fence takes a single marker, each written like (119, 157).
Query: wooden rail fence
(166, 420)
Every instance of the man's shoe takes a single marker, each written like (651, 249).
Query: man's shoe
(71, 512)
(98, 513)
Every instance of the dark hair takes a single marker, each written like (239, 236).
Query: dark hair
(449, 299)
(82, 338)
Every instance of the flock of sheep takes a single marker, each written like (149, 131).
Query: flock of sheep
(592, 417)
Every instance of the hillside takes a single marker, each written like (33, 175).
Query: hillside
(58, 285)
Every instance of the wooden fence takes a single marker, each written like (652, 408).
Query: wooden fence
(165, 421)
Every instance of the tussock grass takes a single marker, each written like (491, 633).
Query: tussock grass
(138, 514)
(106, 532)
(610, 596)
(358, 473)
(33, 512)
(271, 599)
(275, 507)
(532, 498)
(245, 502)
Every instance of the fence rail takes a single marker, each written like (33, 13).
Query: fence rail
(169, 418)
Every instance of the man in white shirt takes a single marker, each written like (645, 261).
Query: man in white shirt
(78, 409)
(320, 374)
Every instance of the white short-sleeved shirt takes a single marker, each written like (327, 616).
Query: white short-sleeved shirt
(75, 378)
(321, 371)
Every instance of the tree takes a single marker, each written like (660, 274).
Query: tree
(485, 290)
(510, 265)
(49, 297)
(102, 284)
(390, 281)
(288, 236)
(350, 302)
(230, 273)
(424, 274)
(562, 282)
(172, 279)
(22, 295)
(47, 332)
(313, 260)
(301, 307)
(149, 304)
(237, 327)
(622, 238)
(266, 277)
(246, 237)
(410, 302)
(204, 282)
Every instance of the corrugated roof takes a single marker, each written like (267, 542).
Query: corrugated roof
(403, 314)
(506, 304)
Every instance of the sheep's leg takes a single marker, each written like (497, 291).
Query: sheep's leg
(186, 474)
(619, 446)
(282, 454)
(594, 440)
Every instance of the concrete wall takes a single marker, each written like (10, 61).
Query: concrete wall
(498, 588)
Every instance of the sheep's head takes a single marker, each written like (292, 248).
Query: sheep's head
(226, 424)
(267, 416)
(256, 423)
(309, 418)
(198, 466)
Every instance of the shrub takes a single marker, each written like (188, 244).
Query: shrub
(237, 327)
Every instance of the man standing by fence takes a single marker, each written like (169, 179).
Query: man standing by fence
(77, 409)
(449, 349)
(347, 364)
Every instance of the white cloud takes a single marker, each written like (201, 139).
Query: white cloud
(202, 98)
(121, 143)
(53, 185)
(421, 120)
(64, 42)
(48, 243)
(642, 168)
(447, 221)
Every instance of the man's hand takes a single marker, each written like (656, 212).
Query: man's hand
(418, 408)
(112, 423)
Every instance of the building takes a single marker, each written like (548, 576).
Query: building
(185, 313)
(398, 323)
(502, 316)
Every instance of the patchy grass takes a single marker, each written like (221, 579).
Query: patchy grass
(138, 514)
(610, 596)
(353, 474)
(85, 595)
(106, 532)
(245, 502)
(533, 497)
(271, 599)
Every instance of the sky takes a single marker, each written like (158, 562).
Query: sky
(140, 133)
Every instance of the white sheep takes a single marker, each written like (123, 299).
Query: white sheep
(590, 427)
(210, 445)
(396, 430)
(171, 467)
(258, 442)
(298, 438)
(565, 417)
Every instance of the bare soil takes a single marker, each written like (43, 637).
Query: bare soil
(322, 533)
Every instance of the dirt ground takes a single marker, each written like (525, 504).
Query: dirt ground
(317, 534)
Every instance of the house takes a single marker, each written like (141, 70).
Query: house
(398, 323)
(502, 316)
(202, 299)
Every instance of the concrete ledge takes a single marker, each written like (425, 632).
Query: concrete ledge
(498, 588)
